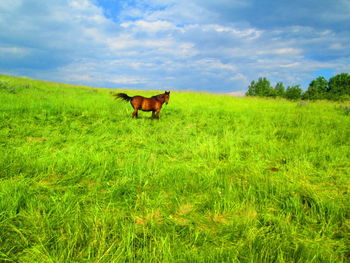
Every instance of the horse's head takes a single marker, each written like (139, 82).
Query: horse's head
(166, 96)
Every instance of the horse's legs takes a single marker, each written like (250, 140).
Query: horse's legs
(153, 115)
(134, 114)
(157, 114)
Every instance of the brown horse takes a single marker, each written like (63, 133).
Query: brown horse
(153, 104)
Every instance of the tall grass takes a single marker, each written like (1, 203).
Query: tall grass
(216, 179)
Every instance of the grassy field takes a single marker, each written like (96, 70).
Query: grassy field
(216, 179)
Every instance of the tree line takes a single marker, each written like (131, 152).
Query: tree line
(336, 88)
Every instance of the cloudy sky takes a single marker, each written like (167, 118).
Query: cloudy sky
(207, 45)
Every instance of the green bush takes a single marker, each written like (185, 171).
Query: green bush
(293, 92)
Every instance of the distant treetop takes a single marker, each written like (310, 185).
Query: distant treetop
(337, 88)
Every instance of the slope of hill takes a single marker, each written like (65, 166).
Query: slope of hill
(216, 179)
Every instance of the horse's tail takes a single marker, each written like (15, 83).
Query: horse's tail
(122, 96)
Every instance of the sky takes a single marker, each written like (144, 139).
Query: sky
(205, 45)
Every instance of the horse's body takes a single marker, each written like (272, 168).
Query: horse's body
(153, 104)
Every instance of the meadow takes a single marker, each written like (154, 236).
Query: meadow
(216, 179)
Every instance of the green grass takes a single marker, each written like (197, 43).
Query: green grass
(216, 179)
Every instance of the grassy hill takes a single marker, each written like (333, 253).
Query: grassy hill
(216, 179)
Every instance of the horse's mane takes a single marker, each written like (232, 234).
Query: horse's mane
(157, 96)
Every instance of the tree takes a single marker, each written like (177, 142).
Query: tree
(260, 88)
(279, 90)
(317, 89)
(293, 92)
(251, 89)
(339, 86)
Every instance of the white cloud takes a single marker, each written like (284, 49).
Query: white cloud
(152, 44)
(280, 51)
(14, 51)
(214, 64)
(9, 5)
(291, 65)
(244, 33)
(128, 80)
(336, 46)
(149, 26)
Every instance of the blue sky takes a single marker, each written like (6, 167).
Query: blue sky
(216, 46)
